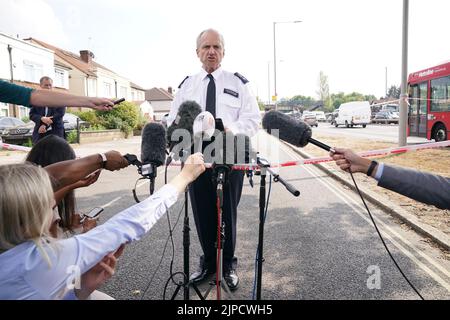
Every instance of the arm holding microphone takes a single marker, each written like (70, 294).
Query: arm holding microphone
(85, 250)
(71, 171)
(421, 186)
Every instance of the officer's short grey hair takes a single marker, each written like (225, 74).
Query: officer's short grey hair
(222, 42)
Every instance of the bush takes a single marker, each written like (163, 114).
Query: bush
(124, 117)
(89, 116)
(95, 127)
(112, 122)
(28, 143)
(142, 121)
(72, 136)
(25, 119)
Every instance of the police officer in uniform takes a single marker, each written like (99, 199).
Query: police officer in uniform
(228, 97)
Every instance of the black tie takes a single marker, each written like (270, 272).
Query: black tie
(211, 96)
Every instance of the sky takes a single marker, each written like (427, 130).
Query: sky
(152, 43)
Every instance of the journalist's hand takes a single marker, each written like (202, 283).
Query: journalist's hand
(347, 160)
(193, 167)
(115, 161)
(101, 104)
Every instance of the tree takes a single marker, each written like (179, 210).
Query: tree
(393, 92)
(302, 101)
(341, 97)
(324, 91)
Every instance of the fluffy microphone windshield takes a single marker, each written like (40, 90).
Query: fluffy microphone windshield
(153, 146)
(186, 115)
(290, 130)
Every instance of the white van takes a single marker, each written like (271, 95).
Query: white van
(356, 113)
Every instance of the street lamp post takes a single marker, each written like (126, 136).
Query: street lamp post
(275, 58)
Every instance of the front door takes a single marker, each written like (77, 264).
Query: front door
(418, 110)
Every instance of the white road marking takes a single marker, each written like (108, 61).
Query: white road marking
(111, 202)
(382, 226)
(138, 186)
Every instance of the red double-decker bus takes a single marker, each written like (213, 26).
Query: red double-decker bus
(429, 99)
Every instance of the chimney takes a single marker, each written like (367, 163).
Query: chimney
(169, 89)
(86, 56)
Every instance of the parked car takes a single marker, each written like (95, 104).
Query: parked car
(9, 122)
(333, 116)
(320, 116)
(386, 117)
(310, 118)
(70, 122)
(18, 134)
(294, 114)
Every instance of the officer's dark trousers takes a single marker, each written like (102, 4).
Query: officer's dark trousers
(203, 198)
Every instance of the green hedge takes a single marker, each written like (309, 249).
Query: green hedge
(125, 116)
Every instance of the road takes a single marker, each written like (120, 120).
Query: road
(379, 132)
(321, 245)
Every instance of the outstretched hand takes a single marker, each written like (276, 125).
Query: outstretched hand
(87, 181)
(99, 274)
(102, 104)
(115, 161)
(349, 161)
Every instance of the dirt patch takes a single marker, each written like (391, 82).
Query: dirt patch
(434, 160)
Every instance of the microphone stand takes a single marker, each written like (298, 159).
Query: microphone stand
(265, 167)
(219, 283)
(186, 244)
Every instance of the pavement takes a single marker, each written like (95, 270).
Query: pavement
(434, 234)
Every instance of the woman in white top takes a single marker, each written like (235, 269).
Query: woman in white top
(33, 265)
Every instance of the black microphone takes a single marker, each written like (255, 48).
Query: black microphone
(187, 112)
(293, 131)
(153, 151)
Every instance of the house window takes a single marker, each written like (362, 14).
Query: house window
(123, 92)
(23, 112)
(107, 89)
(32, 71)
(92, 87)
(4, 109)
(133, 95)
(60, 78)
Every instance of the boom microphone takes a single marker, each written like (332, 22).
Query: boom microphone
(153, 150)
(292, 131)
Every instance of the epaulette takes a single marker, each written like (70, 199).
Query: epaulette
(182, 82)
(240, 76)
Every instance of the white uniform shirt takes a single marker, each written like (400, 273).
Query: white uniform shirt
(236, 105)
(25, 274)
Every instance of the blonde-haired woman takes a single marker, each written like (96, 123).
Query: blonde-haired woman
(33, 265)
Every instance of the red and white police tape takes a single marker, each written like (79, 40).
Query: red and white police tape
(365, 154)
(13, 147)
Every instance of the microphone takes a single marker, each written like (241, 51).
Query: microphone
(203, 128)
(182, 127)
(187, 112)
(153, 151)
(292, 131)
